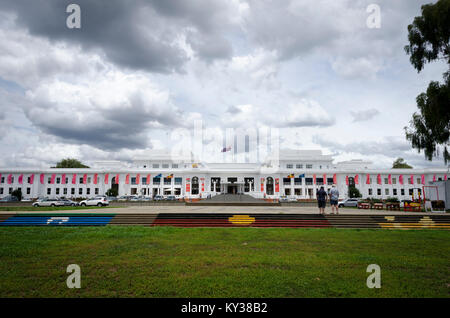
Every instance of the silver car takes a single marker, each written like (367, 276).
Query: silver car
(49, 202)
(348, 202)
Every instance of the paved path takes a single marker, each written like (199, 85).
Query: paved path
(225, 209)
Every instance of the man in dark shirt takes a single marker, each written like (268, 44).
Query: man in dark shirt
(321, 199)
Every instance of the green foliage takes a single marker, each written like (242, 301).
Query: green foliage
(112, 192)
(392, 199)
(429, 40)
(70, 163)
(353, 192)
(17, 193)
(401, 163)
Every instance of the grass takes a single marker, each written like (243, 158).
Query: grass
(121, 261)
(48, 208)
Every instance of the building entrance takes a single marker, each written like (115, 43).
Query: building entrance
(232, 189)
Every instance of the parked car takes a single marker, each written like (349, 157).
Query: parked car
(158, 198)
(68, 202)
(123, 198)
(98, 201)
(141, 198)
(171, 198)
(49, 202)
(111, 199)
(348, 202)
(9, 198)
(26, 200)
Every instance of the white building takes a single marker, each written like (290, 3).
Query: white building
(294, 173)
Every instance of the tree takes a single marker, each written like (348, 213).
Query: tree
(17, 193)
(70, 163)
(112, 192)
(353, 192)
(400, 163)
(429, 40)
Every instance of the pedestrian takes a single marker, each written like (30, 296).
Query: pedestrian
(334, 197)
(321, 199)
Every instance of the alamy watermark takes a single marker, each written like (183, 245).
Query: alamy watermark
(374, 279)
(74, 279)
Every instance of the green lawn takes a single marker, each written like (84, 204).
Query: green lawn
(139, 261)
(48, 208)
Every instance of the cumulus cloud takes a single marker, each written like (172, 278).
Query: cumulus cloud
(363, 115)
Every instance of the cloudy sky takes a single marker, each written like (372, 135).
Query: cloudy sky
(136, 71)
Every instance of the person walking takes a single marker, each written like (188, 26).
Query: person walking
(321, 199)
(334, 197)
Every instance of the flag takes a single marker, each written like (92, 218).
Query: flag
(379, 179)
(389, 179)
(194, 165)
(357, 179)
(170, 176)
(290, 176)
(225, 149)
(41, 178)
(346, 180)
(324, 178)
(158, 176)
(368, 179)
(74, 178)
(445, 176)
(117, 178)
(31, 178)
(314, 179)
(138, 177)
(21, 179)
(95, 178)
(400, 179)
(127, 179)
(301, 175)
(10, 179)
(423, 179)
(85, 179)
(148, 178)
(434, 178)
(63, 178)
(334, 179)
(412, 179)
(52, 179)
(107, 178)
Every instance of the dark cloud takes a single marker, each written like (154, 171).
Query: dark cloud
(136, 34)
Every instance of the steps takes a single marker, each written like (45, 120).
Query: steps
(233, 200)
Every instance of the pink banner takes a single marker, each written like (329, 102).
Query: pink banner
(107, 178)
(10, 179)
(423, 179)
(334, 179)
(138, 177)
(368, 179)
(379, 179)
(357, 179)
(41, 178)
(400, 179)
(52, 179)
(346, 180)
(389, 179)
(32, 179)
(412, 179)
(85, 178)
(117, 178)
(21, 179)
(63, 179)
(95, 178)
(148, 178)
(314, 179)
(127, 179)
(74, 178)
(434, 178)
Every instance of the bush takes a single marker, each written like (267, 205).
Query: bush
(112, 192)
(353, 192)
(392, 200)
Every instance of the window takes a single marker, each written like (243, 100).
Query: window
(386, 181)
(386, 191)
(80, 191)
(330, 181)
(370, 191)
(167, 181)
(298, 191)
(89, 180)
(409, 180)
(156, 180)
(308, 181)
(178, 181)
(165, 165)
(411, 191)
(58, 180)
(289, 166)
(286, 181)
(96, 190)
(144, 180)
(28, 190)
(299, 166)
(10, 190)
(155, 165)
(67, 180)
(29, 180)
(287, 191)
(49, 180)
(81, 180)
(297, 181)
(72, 191)
(378, 191)
(65, 190)
(133, 180)
(49, 191)
(319, 181)
(309, 166)
(402, 191)
(145, 166)
(1, 190)
(175, 165)
(394, 180)
(419, 181)
(3, 179)
(88, 191)
(394, 191)
(57, 191)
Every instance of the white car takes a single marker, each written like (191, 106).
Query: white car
(48, 202)
(348, 202)
(98, 201)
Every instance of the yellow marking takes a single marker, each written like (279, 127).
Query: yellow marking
(390, 218)
(241, 219)
(425, 224)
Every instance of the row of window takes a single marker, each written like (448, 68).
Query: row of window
(394, 191)
(163, 166)
(300, 166)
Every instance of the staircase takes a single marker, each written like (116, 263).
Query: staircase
(233, 200)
